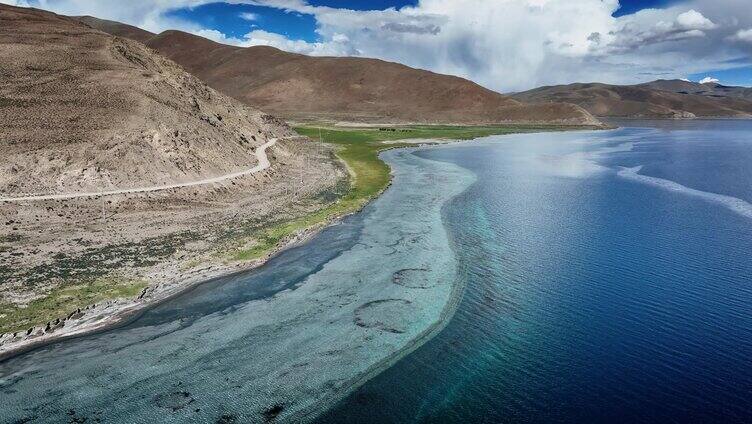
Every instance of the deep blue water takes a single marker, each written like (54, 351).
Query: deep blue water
(590, 298)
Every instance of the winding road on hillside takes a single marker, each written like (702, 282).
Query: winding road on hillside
(263, 163)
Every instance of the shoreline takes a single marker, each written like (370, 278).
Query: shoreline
(106, 318)
(115, 313)
(450, 308)
(656, 118)
(308, 321)
(103, 318)
(339, 388)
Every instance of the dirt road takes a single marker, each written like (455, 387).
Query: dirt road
(263, 163)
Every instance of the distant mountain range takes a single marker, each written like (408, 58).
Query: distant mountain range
(708, 89)
(302, 87)
(657, 99)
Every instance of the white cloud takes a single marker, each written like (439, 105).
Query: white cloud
(264, 38)
(506, 45)
(654, 26)
(510, 45)
(340, 38)
(336, 47)
(19, 3)
(707, 80)
(694, 20)
(744, 35)
(214, 35)
(248, 16)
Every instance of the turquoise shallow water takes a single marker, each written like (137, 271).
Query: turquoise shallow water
(597, 291)
(279, 343)
(597, 276)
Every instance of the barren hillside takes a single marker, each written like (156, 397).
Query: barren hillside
(344, 88)
(83, 110)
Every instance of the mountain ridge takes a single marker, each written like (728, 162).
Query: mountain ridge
(656, 99)
(301, 87)
(711, 89)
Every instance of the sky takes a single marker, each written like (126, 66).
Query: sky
(505, 45)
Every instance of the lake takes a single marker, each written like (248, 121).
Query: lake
(557, 277)
(592, 296)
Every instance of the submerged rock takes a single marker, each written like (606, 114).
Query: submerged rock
(174, 401)
(416, 278)
(390, 315)
(271, 413)
(227, 419)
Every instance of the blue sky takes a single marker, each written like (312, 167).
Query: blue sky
(237, 20)
(632, 6)
(506, 45)
(735, 76)
(226, 17)
(364, 4)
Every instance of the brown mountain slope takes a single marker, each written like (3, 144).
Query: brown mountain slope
(83, 110)
(659, 99)
(345, 88)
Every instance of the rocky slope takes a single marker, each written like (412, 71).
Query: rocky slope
(657, 99)
(83, 110)
(344, 88)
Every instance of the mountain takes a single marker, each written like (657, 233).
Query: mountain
(85, 111)
(657, 99)
(302, 87)
(709, 89)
